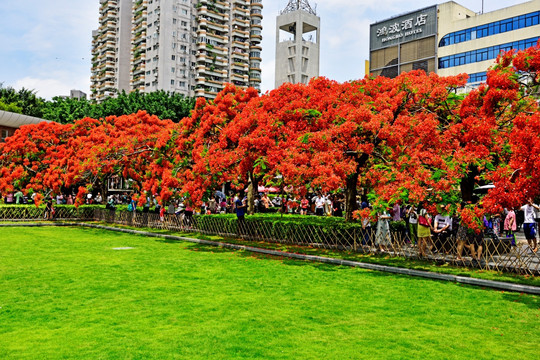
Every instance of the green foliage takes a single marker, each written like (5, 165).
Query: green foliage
(163, 104)
(23, 101)
(10, 107)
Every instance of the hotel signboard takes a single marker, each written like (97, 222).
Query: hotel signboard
(403, 28)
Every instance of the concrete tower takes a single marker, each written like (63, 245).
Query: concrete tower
(297, 43)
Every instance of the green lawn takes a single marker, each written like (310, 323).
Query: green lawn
(65, 294)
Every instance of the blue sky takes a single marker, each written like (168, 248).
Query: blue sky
(45, 44)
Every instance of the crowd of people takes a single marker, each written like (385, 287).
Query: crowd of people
(439, 232)
(429, 232)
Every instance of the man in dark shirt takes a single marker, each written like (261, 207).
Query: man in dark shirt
(240, 207)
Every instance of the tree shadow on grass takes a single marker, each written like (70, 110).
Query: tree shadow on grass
(187, 235)
(531, 301)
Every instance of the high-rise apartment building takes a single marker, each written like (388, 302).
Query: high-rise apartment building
(192, 47)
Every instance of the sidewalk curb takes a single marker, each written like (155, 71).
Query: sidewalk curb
(499, 285)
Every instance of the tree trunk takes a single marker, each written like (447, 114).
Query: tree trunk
(105, 190)
(467, 184)
(253, 188)
(350, 196)
(352, 185)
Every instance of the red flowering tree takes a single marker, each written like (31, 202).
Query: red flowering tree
(36, 158)
(47, 157)
(200, 155)
(380, 133)
(509, 111)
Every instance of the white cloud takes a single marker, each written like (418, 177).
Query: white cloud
(48, 87)
(268, 69)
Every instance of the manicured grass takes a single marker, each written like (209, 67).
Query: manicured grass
(65, 293)
(408, 263)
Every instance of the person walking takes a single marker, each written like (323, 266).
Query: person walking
(304, 205)
(529, 224)
(510, 225)
(413, 224)
(19, 196)
(319, 205)
(424, 232)
(382, 236)
(49, 209)
(240, 207)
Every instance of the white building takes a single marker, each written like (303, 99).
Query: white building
(190, 47)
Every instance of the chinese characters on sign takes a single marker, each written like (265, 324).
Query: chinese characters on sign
(407, 25)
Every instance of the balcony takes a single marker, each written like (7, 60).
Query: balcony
(239, 77)
(256, 13)
(238, 11)
(204, 11)
(110, 25)
(240, 45)
(240, 66)
(216, 26)
(256, 4)
(240, 22)
(240, 33)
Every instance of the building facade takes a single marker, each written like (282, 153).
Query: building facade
(10, 122)
(192, 47)
(297, 43)
(450, 39)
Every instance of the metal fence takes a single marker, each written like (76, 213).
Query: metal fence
(25, 213)
(500, 255)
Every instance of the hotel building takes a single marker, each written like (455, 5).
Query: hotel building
(450, 39)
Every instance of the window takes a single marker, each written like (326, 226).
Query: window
(5, 134)
(172, 82)
(484, 54)
(497, 27)
(477, 77)
(173, 57)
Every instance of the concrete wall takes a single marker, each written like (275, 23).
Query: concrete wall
(124, 45)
